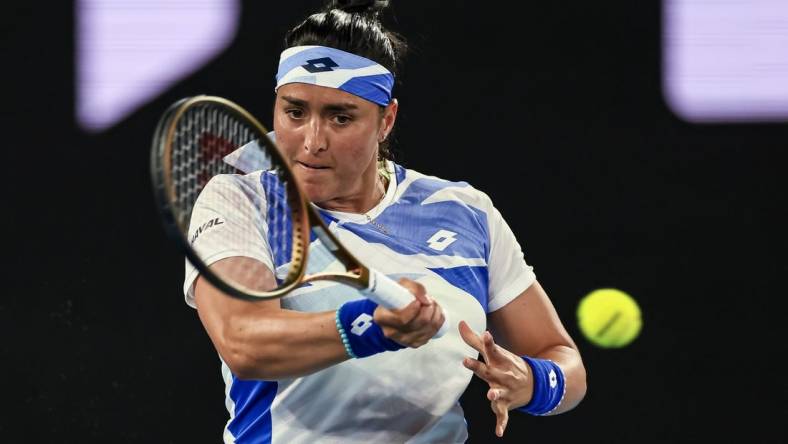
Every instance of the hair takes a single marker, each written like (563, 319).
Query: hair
(353, 26)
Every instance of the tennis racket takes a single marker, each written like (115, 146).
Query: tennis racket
(189, 145)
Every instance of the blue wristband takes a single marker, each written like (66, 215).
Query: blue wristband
(364, 336)
(549, 386)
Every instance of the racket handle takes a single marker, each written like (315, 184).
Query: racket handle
(386, 292)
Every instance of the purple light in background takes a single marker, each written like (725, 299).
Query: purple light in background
(726, 60)
(129, 51)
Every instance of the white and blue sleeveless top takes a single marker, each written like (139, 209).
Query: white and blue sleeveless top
(445, 235)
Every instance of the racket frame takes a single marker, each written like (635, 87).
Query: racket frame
(304, 215)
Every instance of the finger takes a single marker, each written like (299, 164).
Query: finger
(470, 337)
(496, 393)
(418, 290)
(438, 317)
(421, 330)
(397, 318)
(492, 375)
(423, 317)
(428, 322)
(501, 417)
(489, 374)
(434, 324)
(491, 349)
(411, 313)
(476, 366)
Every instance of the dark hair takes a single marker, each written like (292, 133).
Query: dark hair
(353, 26)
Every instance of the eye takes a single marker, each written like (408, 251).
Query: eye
(342, 119)
(295, 113)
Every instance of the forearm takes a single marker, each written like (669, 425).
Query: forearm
(260, 340)
(574, 375)
(529, 326)
(279, 344)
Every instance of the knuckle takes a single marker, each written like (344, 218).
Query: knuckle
(427, 314)
(518, 378)
(416, 341)
(379, 315)
(407, 316)
(421, 319)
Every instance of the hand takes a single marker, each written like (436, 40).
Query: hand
(508, 376)
(414, 324)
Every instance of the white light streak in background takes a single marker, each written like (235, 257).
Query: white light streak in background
(726, 60)
(130, 51)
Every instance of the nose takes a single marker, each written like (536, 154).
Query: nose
(315, 139)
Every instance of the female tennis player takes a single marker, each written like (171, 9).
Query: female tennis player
(324, 364)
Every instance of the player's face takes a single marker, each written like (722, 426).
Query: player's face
(331, 139)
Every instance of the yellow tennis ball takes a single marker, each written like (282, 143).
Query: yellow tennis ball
(609, 318)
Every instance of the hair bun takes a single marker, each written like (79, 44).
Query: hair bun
(359, 6)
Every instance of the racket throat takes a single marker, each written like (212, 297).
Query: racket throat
(327, 239)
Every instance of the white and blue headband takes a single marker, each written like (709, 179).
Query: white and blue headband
(334, 68)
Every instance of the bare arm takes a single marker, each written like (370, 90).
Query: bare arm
(529, 325)
(261, 340)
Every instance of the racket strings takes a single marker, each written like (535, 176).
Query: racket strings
(203, 136)
(280, 225)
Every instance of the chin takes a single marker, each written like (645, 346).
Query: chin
(315, 193)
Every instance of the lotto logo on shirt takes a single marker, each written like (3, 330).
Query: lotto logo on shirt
(442, 239)
(204, 227)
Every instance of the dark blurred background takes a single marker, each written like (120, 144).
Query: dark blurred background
(557, 111)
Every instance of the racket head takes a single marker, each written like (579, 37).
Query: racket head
(189, 145)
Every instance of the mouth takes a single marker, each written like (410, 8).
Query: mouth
(311, 167)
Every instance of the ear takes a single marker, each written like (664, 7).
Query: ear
(389, 117)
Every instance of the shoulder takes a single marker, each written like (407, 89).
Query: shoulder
(231, 186)
(251, 180)
(426, 189)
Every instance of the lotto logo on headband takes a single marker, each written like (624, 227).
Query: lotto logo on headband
(320, 65)
(333, 68)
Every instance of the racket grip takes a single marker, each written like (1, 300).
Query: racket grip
(386, 292)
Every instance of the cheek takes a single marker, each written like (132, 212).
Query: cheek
(287, 140)
(366, 141)
(355, 155)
